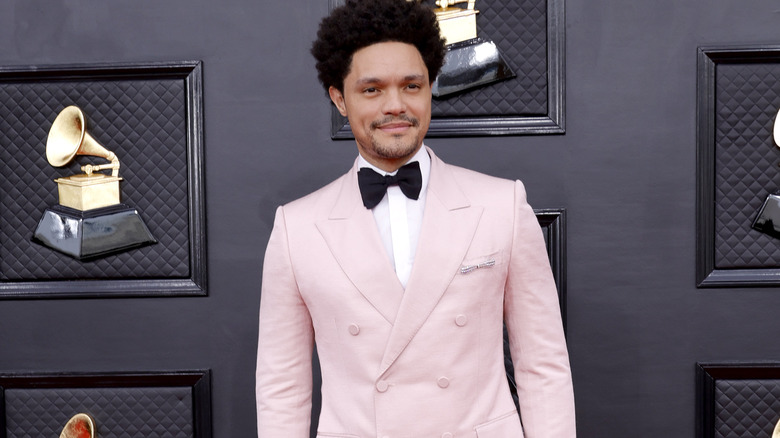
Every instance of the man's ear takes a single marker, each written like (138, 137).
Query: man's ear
(338, 99)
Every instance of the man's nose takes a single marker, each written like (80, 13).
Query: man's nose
(394, 102)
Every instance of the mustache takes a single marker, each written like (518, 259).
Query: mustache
(393, 119)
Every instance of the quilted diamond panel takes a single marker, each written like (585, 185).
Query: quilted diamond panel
(746, 162)
(158, 412)
(746, 408)
(144, 121)
(521, 37)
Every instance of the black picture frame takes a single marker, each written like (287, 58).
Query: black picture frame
(553, 223)
(709, 272)
(552, 121)
(197, 382)
(188, 77)
(742, 378)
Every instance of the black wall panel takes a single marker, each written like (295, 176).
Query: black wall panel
(625, 171)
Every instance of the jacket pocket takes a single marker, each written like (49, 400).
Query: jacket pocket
(507, 425)
(472, 263)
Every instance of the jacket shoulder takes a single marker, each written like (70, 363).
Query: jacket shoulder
(474, 182)
(319, 200)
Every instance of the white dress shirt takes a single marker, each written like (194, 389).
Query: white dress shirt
(399, 218)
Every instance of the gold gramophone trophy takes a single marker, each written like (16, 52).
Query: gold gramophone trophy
(79, 426)
(471, 61)
(89, 221)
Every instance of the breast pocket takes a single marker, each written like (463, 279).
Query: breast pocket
(482, 263)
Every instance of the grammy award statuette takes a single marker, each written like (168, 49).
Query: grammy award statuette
(470, 61)
(89, 221)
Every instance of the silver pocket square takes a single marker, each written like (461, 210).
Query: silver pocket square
(470, 268)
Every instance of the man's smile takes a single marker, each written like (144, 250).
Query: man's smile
(396, 125)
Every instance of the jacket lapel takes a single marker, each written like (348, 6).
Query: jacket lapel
(352, 236)
(449, 223)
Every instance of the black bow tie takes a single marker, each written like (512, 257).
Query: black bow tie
(373, 185)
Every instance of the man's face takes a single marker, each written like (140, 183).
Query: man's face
(387, 99)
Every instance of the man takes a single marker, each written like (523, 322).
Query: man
(405, 292)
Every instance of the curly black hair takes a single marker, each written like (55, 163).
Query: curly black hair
(361, 23)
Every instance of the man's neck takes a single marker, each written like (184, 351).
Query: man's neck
(389, 165)
(417, 156)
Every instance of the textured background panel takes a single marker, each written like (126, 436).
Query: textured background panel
(143, 121)
(158, 412)
(746, 408)
(746, 162)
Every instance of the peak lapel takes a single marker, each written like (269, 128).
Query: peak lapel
(352, 237)
(449, 223)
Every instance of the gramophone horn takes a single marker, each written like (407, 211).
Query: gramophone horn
(79, 426)
(68, 137)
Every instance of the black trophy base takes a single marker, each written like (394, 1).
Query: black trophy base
(470, 64)
(768, 219)
(91, 234)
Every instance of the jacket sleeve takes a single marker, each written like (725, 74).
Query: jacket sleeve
(536, 338)
(285, 343)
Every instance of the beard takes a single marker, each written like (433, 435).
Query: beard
(397, 147)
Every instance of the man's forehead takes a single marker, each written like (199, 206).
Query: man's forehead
(387, 58)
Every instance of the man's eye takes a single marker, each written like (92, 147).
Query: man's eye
(370, 90)
(413, 86)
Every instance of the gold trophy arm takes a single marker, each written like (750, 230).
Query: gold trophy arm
(91, 147)
(114, 165)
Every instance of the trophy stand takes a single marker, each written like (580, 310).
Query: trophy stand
(89, 221)
(470, 61)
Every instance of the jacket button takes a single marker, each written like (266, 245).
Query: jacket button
(443, 382)
(382, 386)
(354, 329)
(461, 320)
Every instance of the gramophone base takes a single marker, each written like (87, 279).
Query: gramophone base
(768, 219)
(90, 234)
(88, 192)
(470, 64)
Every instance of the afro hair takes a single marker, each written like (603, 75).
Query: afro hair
(361, 23)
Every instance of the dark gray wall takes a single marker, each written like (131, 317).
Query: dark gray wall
(624, 170)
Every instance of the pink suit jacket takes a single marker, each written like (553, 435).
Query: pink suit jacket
(422, 362)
